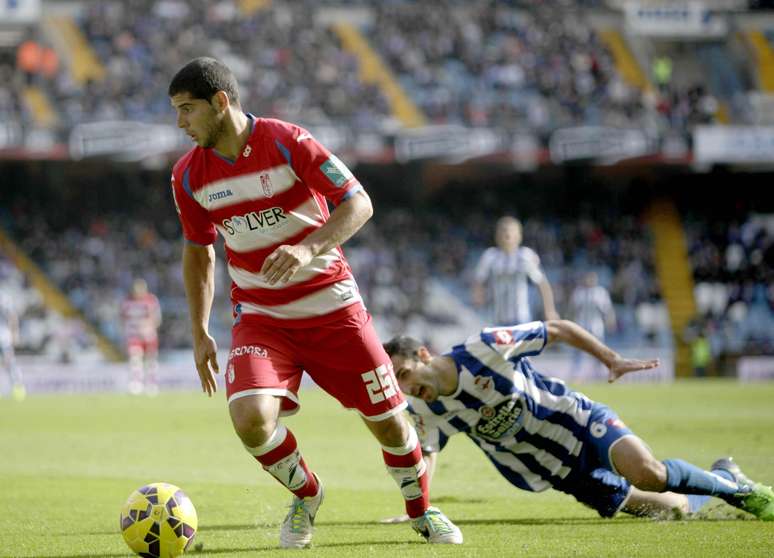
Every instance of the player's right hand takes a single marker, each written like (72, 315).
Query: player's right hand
(206, 359)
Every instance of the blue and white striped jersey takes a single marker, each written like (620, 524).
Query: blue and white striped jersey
(530, 426)
(507, 275)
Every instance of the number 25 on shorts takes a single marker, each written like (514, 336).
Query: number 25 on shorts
(380, 383)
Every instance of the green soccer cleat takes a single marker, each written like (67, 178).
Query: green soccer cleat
(436, 528)
(760, 502)
(753, 497)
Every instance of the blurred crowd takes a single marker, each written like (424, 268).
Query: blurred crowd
(397, 258)
(734, 283)
(534, 66)
(95, 263)
(414, 273)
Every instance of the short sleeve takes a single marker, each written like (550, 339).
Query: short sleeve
(532, 264)
(516, 341)
(431, 438)
(317, 167)
(196, 223)
(484, 266)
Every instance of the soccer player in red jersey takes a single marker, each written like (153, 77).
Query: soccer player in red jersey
(141, 315)
(264, 185)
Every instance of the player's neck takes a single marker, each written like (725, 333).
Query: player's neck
(237, 130)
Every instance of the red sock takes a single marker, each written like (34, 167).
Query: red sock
(408, 470)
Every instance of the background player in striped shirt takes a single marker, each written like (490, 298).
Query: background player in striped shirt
(141, 314)
(591, 308)
(503, 273)
(264, 185)
(540, 434)
(9, 335)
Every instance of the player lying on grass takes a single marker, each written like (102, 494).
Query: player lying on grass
(540, 434)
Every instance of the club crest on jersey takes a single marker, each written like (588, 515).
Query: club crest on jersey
(503, 337)
(484, 385)
(266, 185)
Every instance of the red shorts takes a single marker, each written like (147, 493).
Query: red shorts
(147, 347)
(345, 358)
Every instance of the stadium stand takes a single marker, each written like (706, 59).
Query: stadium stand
(515, 69)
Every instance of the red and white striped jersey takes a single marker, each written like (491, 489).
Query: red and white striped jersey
(141, 316)
(274, 193)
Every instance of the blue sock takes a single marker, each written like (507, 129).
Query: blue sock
(684, 478)
(696, 501)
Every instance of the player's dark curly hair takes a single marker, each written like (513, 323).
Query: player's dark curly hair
(202, 78)
(402, 345)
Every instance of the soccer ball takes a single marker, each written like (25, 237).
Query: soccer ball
(158, 521)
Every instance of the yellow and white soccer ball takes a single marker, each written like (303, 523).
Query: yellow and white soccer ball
(158, 521)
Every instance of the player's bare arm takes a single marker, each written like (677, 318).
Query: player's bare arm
(199, 280)
(345, 221)
(549, 308)
(572, 334)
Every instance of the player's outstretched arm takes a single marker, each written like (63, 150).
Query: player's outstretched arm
(574, 335)
(199, 280)
(547, 293)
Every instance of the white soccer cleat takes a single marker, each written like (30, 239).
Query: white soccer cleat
(297, 529)
(135, 387)
(152, 389)
(436, 528)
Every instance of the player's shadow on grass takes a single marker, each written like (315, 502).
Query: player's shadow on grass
(458, 500)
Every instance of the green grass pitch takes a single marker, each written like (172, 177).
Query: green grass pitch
(67, 464)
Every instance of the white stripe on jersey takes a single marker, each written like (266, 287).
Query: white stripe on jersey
(292, 223)
(509, 345)
(550, 462)
(246, 187)
(535, 482)
(246, 280)
(483, 353)
(327, 300)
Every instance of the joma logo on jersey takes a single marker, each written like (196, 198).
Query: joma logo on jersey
(266, 219)
(498, 421)
(219, 195)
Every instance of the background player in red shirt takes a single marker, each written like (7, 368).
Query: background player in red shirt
(141, 315)
(264, 185)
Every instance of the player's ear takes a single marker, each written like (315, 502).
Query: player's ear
(424, 354)
(220, 101)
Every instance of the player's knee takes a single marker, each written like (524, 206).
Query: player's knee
(392, 431)
(253, 429)
(650, 476)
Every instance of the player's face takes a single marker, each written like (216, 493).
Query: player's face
(198, 118)
(508, 235)
(416, 378)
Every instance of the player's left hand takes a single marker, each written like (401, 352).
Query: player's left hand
(622, 366)
(284, 262)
